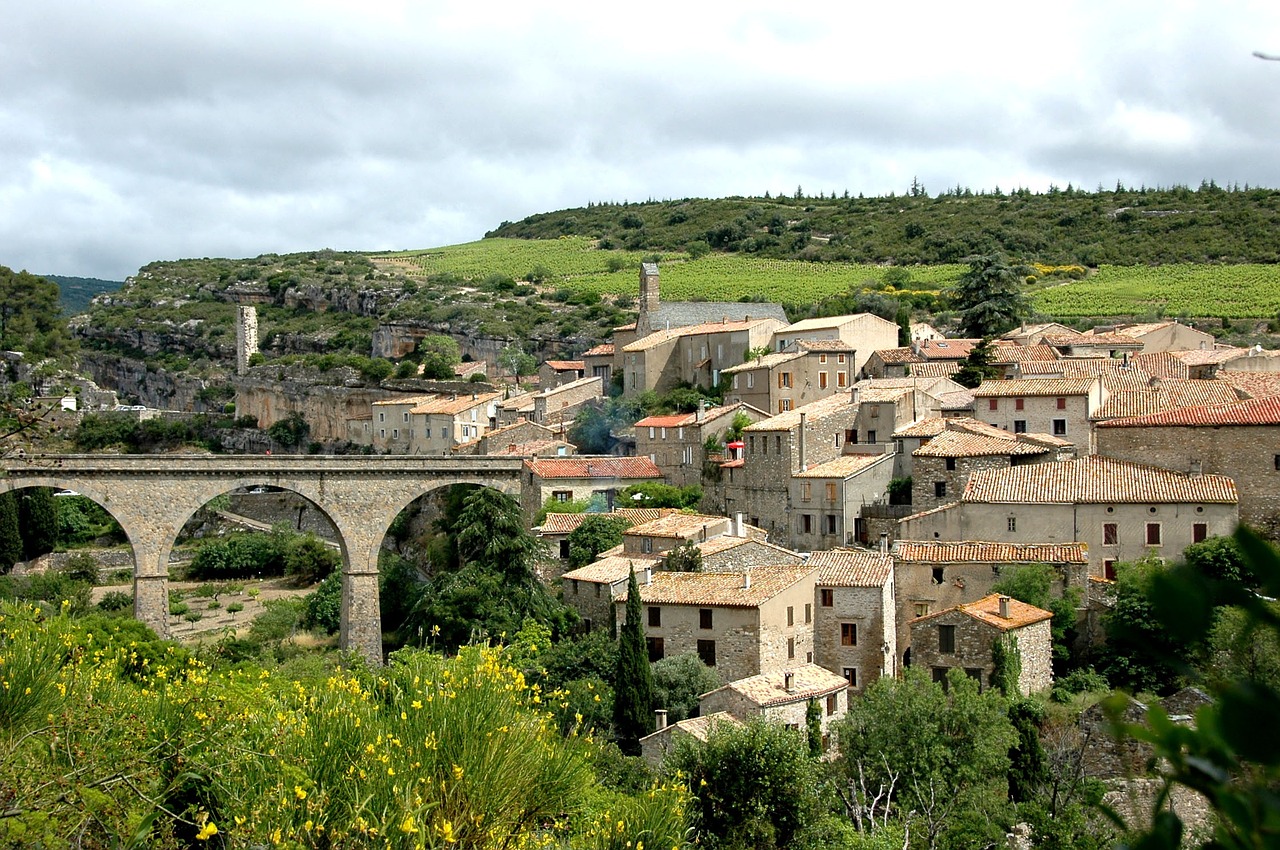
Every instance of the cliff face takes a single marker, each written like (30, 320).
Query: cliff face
(135, 383)
(269, 398)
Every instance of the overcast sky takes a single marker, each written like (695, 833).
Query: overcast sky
(132, 131)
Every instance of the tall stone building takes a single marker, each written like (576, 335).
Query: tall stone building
(246, 337)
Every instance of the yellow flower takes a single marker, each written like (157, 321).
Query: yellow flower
(207, 831)
(407, 825)
(445, 830)
(299, 792)
(457, 772)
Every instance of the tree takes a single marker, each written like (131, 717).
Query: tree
(977, 366)
(813, 727)
(633, 688)
(685, 558)
(323, 605)
(38, 521)
(989, 297)
(515, 361)
(1140, 654)
(291, 431)
(31, 316)
(10, 536)
(309, 560)
(597, 533)
(678, 681)
(654, 494)
(1033, 584)
(438, 355)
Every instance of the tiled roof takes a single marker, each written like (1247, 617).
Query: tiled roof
(674, 525)
(1252, 384)
(406, 399)
(1196, 357)
(945, 349)
(677, 420)
(1030, 387)
(593, 467)
(611, 568)
(519, 423)
(629, 327)
(970, 551)
(791, 418)
(1095, 480)
(987, 610)
(1166, 395)
(939, 369)
(1109, 340)
(723, 543)
(567, 365)
(454, 404)
(604, 349)
(808, 681)
(836, 345)
(722, 589)
(680, 314)
(958, 400)
(533, 447)
(1160, 364)
(1254, 411)
(1074, 367)
(1011, 352)
(659, 337)
(822, 323)
(466, 370)
(930, 426)
(767, 361)
(841, 467)
(521, 401)
(898, 355)
(700, 727)
(852, 568)
(964, 443)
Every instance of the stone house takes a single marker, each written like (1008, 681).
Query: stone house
(783, 696)
(677, 442)
(657, 746)
(1120, 510)
(556, 406)
(1035, 334)
(440, 423)
(942, 466)
(556, 528)
(1138, 397)
(1102, 345)
(861, 334)
(1240, 440)
(827, 499)
(792, 378)
(553, 373)
(934, 575)
(514, 408)
(518, 433)
(1061, 407)
(598, 362)
(392, 423)
(963, 637)
(896, 362)
(571, 479)
(741, 623)
(1160, 336)
(854, 633)
(694, 354)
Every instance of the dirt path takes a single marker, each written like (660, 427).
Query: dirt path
(217, 618)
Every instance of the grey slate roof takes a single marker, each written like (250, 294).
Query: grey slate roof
(679, 314)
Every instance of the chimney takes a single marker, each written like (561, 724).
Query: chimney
(746, 579)
(701, 413)
(884, 541)
(648, 575)
(738, 530)
(1004, 607)
(803, 465)
(854, 395)
(511, 447)
(660, 719)
(789, 682)
(1196, 467)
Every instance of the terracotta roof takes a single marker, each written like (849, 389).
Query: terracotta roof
(808, 681)
(894, 356)
(1166, 395)
(1196, 357)
(451, 405)
(559, 523)
(939, 369)
(1254, 411)
(987, 610)
(1012, 352)
(593, 467)
(1032, 330)
(1076, 367)
(1031, 387)
(629, 327)
(841, 467)
(533, 447)
(520, 401)
(674, 525)
(1252, 384)
(604, 349)
(822, 345)
(930, 426)
(767, 361)
(852, 568)
(611, 568)
(567, 365)
(697, 727)
(1095, 480)
(964, 443)
(725, 542)
(945, 349)
(722, 589)
(519, 423)
(677, 420)
(407, 399)
(958, 400)
(825, 323)
(791, 418)
(1160, 364)
(659, 337)
(970, 551)
(1109, 340)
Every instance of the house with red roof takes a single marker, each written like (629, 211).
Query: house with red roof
(964, 637)
(571, 479)
(854, 633)
(677, 442)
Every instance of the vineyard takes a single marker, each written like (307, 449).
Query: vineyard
(1233, 291)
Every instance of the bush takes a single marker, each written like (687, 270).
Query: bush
(115, 600)
(82, 567)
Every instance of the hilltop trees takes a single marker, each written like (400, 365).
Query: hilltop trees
(30, 315)
(989, 296)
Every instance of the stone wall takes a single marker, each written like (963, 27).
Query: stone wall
(865, 608)
(928, 472)
(973, 643)
(592, 600)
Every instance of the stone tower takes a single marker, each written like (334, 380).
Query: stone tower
(648, 297)
(246, 337)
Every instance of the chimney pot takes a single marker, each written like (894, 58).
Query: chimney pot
(660, 718)
(648, 575)
(789, 682)
(746, 579)
(884, 541)
(1004, 607)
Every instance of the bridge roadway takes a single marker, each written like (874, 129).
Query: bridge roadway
(153, 496)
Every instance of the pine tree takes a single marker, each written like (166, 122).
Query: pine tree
(989, 297)
(38, 522)
(977, 367)
(633, 693)
(10, 538)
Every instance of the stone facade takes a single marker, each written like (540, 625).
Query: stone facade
(854, 631)
(963, 638)
(581, 477)
(695, 354)
(937, 481)
(790, 379)
(783, 697)
(827, 500)
(677, 442)
(861, 332)
(1062, 407)
(557, 406)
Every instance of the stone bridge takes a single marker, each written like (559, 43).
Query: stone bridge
(153, 496)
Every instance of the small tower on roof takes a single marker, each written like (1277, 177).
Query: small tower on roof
(648, 297)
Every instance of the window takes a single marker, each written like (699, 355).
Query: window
(784, 404)
(848, 634)
(1059, 427)
(1153, 534)
(841, 379)
(1013, 523)
(735, 382)
(871, 436)
(851, 676)
(808, 612)
(646, 544)
(1277, 461)
(822, 380)
(656, 649)
(777, 441)
(831, 491)
(406, 416)
(806, 523)
(1109, 569)
(839, 358)
(947, 640)
(655, 616)
(1062, 404)
(831, 524)
(975, 673)
(1199, 531)
(826, 597)
(564, 553)
(938, 575)
(1019, 403)
(804, 491)
(791, 615)
(940, 676)
(822, 359)
(1110, 533)
(791, 647)
(664, 433)
(575, 587)
(395, 433)
(784, 380)
(831, 704)
(751, 380)
(382, 417)
(707, 652)
(850, 435)
(951, 464)
(562, 495)
(1019, 426)
(940, 489)
(921, 608)
(382, 432)
(993, 404)
(704, 618)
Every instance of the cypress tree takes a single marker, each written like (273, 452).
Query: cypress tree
(38, 522)
(633, 693)
(10, 538)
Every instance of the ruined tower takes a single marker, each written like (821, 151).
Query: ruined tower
(246, 337)
(648, 297)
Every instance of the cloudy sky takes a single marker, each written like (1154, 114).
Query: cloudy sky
(137, 130)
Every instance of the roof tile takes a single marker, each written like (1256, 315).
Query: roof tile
(852, 568)
(593, 467)
(1095, 480)
(980, 551)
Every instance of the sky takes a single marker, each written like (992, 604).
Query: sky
(141, 130)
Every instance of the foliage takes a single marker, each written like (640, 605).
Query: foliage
(685, 558)
(324, 605)
(753, 786)
(900, 491)
(989, 297)
(1140, 654)
(1027, 771)
(438, 355)
(678, 681)
(308, 560)
(31, 317)
(1034, 584)
(597, 533)
(976, 366)
(1006, 663)
(654, 494)
(633, 683)
(53, 587)
(82, 520)
(38, 521)
(10, 536)
(290, 432)
(813, 728)
(82, 567)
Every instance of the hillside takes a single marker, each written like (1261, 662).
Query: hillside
(75, 293)
(1117, 227)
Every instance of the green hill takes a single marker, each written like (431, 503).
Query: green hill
(75, 293)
